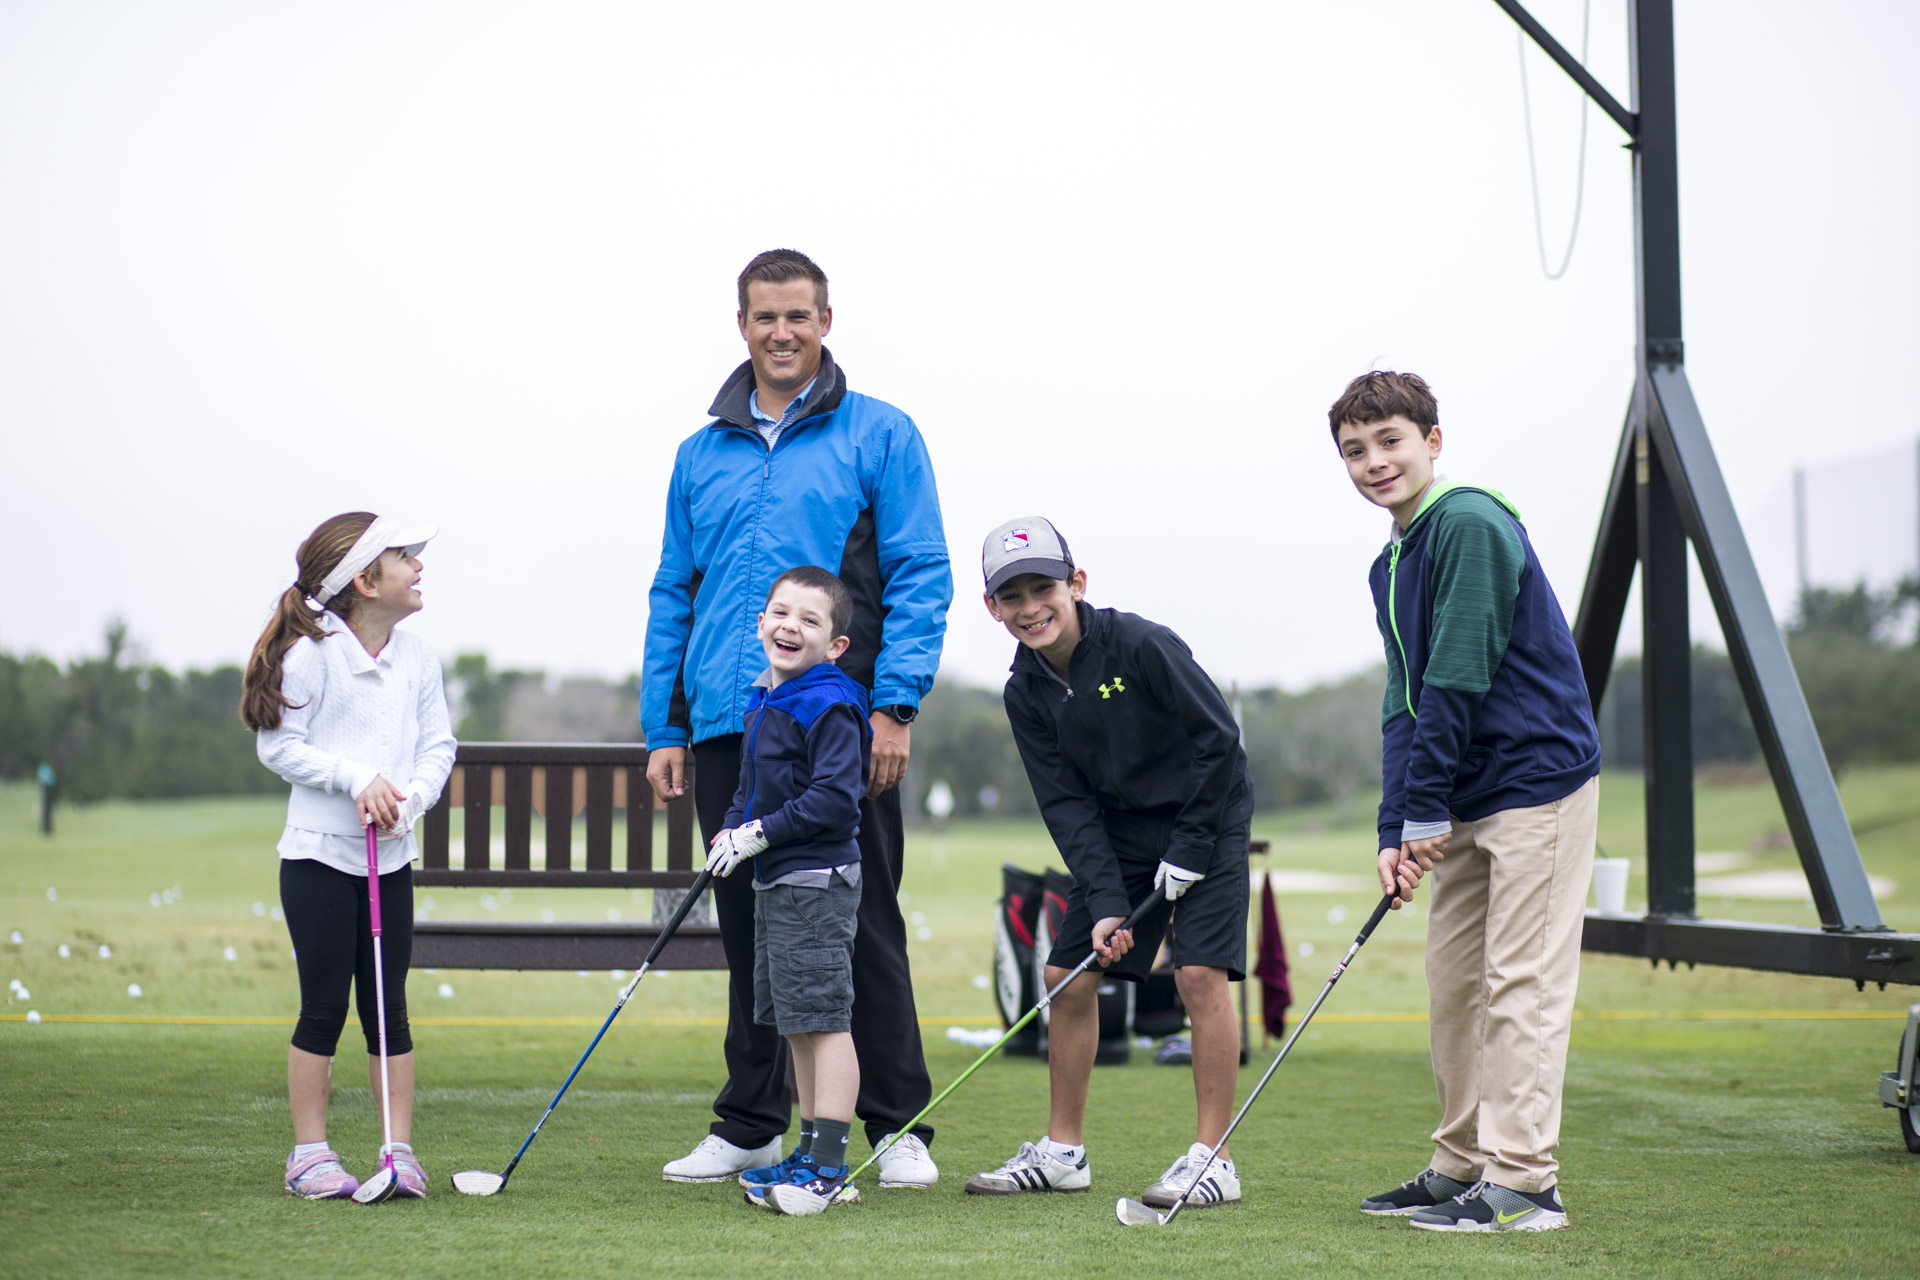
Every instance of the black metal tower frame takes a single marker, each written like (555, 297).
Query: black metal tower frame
(1666, 490)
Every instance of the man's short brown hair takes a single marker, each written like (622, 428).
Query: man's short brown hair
(1383, 394)
(777, 266)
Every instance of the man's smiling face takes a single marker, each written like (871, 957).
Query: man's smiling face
(783, 326)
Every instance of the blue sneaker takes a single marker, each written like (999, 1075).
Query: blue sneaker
(804, 1173)
(812, 1190)
(768, 1174)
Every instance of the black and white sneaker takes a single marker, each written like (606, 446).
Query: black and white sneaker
(1487, 1206)
(1219, 1184)
(1425, 1191)
(1033, 1168)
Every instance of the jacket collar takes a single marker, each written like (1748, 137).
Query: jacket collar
(1436, 492)
(359, 661)
(730, 406)
(821, 674)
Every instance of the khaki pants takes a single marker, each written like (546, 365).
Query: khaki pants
(1503, 961)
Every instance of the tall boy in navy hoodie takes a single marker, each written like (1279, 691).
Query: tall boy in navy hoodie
(1490, 760)
(796, 816)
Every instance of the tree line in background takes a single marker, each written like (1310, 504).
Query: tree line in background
(113, 726)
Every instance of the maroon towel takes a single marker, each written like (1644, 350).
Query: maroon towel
(1276, 994)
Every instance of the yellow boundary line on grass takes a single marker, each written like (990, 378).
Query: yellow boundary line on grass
(1360, 1019)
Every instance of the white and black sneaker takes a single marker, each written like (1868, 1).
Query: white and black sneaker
(1035, 1167)
(1219, 1184)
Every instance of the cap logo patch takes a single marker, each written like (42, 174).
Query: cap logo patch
(1016, 540)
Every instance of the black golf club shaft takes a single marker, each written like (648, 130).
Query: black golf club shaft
(1139, 914)
(653, 953)
(1366, 931)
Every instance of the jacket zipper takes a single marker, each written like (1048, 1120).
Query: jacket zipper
(1393, 621)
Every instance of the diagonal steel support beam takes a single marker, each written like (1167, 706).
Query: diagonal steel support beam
(1571, 65)
(1603, 605)
(1781, 720)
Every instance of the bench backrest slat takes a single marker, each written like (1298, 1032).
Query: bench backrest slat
(561, 782)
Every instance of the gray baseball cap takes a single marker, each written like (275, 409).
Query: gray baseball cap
(1029, 544)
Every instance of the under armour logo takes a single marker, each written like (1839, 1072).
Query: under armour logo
(1108, 690)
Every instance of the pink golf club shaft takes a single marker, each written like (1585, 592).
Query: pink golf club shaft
(380, 1003)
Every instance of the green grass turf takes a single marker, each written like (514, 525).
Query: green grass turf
(1703, 1131)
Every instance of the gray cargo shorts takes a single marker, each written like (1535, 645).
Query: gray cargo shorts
(803, 956)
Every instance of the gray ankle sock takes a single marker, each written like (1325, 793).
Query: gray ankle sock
(830, 1143)
(806, 1137)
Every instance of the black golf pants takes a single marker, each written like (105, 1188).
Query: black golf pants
(756, 1104)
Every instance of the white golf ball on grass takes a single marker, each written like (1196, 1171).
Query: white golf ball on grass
(133, 990)
(33, 1017)
(446, 992)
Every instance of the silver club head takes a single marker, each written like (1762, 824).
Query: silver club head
(380, 1188)
(1134, 1214)
(478, 1182)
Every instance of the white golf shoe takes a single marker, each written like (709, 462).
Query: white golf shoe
(717, 1160)
(1033, 1168)
(907, 1164)
(1220, 1184)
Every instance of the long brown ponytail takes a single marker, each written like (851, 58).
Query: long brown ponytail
(261, 699)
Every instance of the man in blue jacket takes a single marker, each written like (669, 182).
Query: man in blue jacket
(796, 469)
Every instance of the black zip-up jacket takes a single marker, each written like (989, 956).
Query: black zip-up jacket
(1136, 727)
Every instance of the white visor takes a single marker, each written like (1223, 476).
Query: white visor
(384, 532)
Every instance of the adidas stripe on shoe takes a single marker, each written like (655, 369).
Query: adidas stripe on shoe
(1033, 1168)
(1219, 1184)
(1487, 1206)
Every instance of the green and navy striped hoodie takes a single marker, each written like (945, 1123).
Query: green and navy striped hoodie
(1486, 707)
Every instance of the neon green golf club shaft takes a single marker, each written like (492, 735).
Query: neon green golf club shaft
(1139, 913)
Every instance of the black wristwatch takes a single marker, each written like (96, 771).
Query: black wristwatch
(904, 715)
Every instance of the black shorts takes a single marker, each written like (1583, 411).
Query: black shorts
(1209, 921)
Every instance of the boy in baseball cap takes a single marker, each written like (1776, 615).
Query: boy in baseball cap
(1135, 761)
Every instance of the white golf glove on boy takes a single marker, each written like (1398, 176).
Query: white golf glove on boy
(1175, 881)
(735, 846)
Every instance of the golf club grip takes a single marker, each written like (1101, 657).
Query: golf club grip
(373, 882)
(694, 891)
(1379, 914)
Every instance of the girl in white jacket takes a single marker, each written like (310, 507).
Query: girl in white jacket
(354, 715)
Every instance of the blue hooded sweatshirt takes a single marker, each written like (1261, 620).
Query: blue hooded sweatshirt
(1486, 705)
(803, 769)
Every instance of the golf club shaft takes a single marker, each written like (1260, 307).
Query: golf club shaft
(1366, 931)
(379, 996)
(1139, 913)
(698, 887)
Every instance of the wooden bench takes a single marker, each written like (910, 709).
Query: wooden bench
(516, 780)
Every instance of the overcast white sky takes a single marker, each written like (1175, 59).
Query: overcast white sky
(263, 263)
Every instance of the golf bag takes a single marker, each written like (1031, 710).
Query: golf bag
(1115, 997)
(1015, 972)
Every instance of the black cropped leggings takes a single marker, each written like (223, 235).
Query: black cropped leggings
(332, 935)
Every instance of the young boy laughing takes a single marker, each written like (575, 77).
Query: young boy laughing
(1490, 761)
(1135, 761)
(797, 816)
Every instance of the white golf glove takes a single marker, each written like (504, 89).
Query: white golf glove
(735, 846)
(1175, 881)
